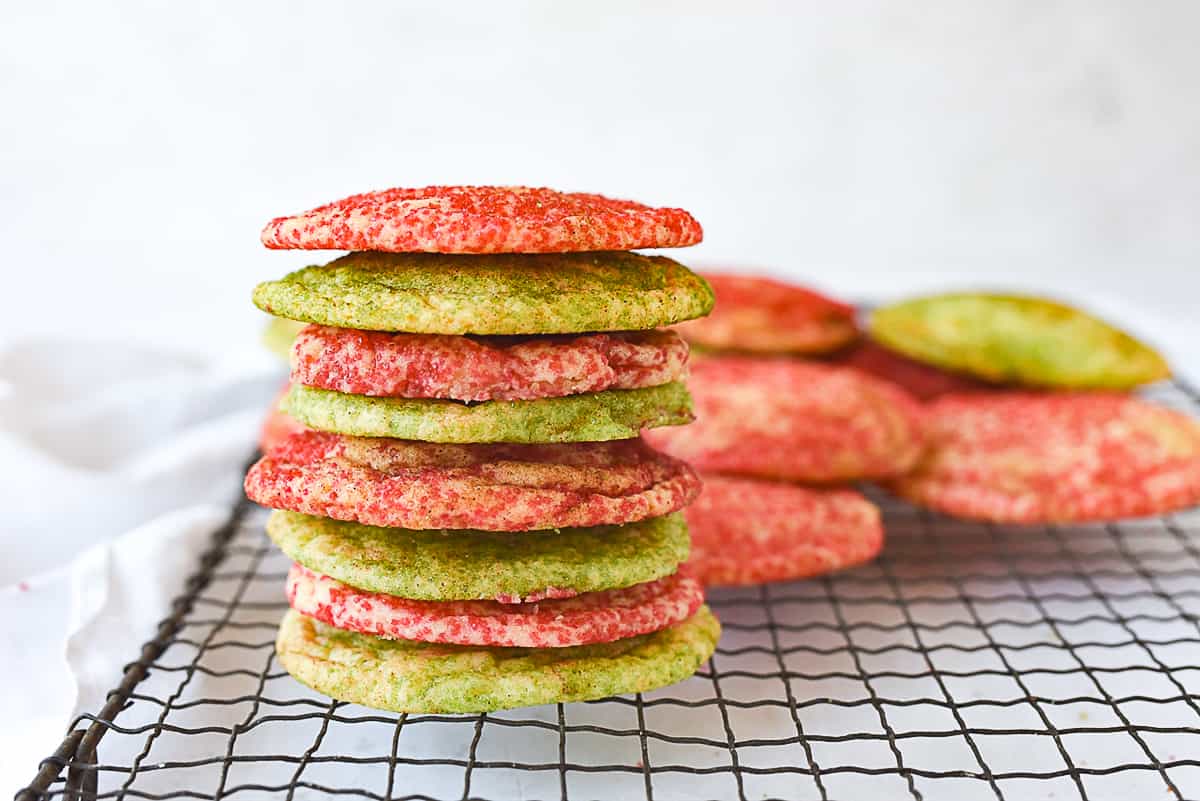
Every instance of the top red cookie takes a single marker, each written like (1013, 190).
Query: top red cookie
(482, 219)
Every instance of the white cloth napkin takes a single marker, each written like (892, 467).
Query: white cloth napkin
(97, 439)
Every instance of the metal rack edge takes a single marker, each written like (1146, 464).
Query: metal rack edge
(78, 747)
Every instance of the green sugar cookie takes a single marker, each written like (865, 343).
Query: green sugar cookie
(587, 417)
(430, 293)
(448, 565)
(1015, 339)
(408, 676)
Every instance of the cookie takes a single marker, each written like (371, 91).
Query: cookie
(390, 365)
(482, 219)
(1014, 339)
(424, 485)
(442, 565)
(424, 293)
(763, 315)
(589, 618)
(922, 381)
(750, 531)
(590, 417)
(277, 426)
(1061, 457)
(788, 419)
(279, 334)
(407, 676)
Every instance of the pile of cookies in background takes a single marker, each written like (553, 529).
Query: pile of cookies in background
(1056, 437)
(986, 407)
(457, 471)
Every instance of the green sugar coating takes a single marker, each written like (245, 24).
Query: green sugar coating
(408, 676)
(440, 565)
(431, 293)
(587, 417)
(1015, 339)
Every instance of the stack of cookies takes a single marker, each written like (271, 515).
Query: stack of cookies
(474, 519)
(778, 439)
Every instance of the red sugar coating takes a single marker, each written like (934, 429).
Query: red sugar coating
(1024, 457)
(764, 315)
(483, 368)
(500, 487)
(592, 617)
(482, 219)
(787, 419)
(747, 531)
(920, 380)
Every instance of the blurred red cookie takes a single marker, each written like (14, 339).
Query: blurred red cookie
(748, 531)
(588, 618)
(482, 219)
(496, 487)
(1041, 457)
(920, 380)
(278, 425)
(763, 315)
(382, 364)
(794, 420)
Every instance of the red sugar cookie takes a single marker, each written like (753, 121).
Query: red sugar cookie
(592, 617)
(497, 487)
(920, 380)
(795, 420)
(747, 531)
(482, 219)
(1040, 457)
(764, 315)
(463, 368)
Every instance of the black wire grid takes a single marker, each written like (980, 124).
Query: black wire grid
(971, 661)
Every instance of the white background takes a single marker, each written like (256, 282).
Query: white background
(871, 148)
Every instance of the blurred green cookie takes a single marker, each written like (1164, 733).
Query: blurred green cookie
(1015, 339)
(430, 293)
(278, 336)
(441, 565)
(408, 676)
(587, 417)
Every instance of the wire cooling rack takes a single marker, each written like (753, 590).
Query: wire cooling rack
(969, 662)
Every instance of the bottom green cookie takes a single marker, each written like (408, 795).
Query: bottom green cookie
(407, 676)
(588, 417)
